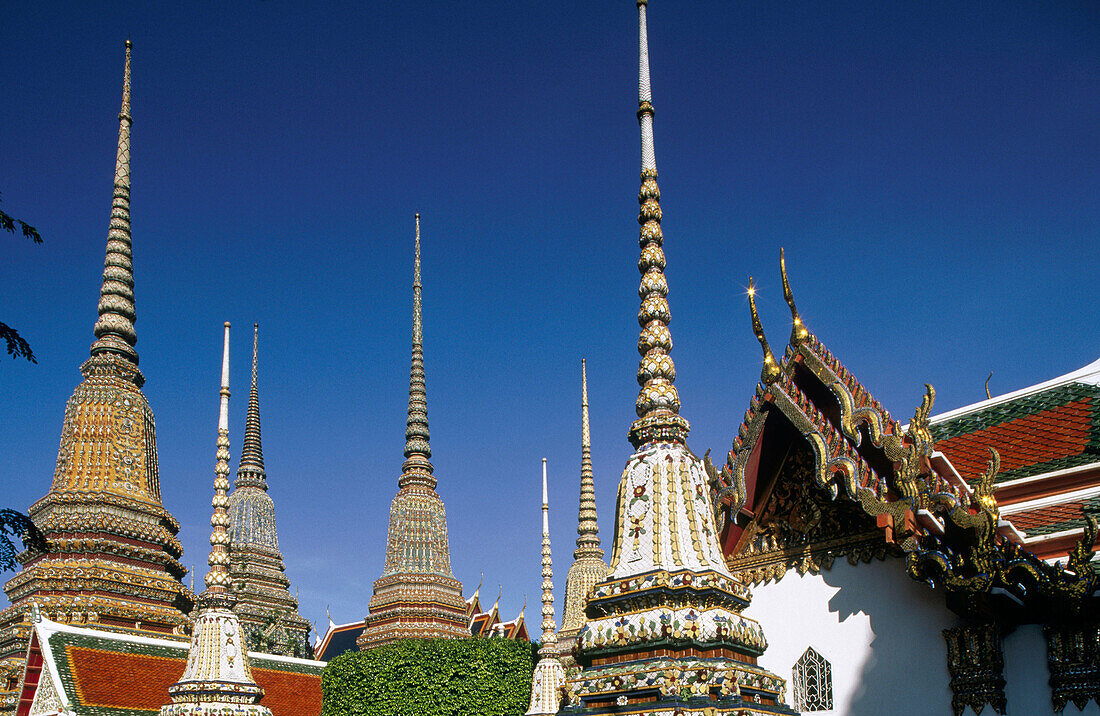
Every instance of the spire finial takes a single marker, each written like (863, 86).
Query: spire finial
(588, 531)
(798, 330)
(549, 631)
(251, 472)
(114, 329)
(549, 676)
(770, 372)
(658, 404)
(217, 579)
(418, 467)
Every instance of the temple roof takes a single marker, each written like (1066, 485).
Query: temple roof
(97, 673)
(1053, 426)
(1048, 437)
(338, 639)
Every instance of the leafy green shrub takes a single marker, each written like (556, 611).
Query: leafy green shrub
(431, 677)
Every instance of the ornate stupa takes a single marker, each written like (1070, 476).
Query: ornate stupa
(112, 560)
(218, 677)
(588, 566)
(417, 596)
(549, 675)
(268, 612)
(664, 632)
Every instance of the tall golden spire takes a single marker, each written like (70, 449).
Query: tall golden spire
(588, 531)
(588, 566)
(417, 595)
(658, 404)
(251, 472)
(256, 570)
(113, 556)
(418, 451)
(114, 330)
(667, 567)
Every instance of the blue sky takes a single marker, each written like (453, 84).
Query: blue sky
(932, 170)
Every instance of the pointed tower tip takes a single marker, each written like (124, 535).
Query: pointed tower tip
(217, 579)
(588, 531)
(250, 472)
(114, 328)
(417, 468)
(549, 630)
(129, 44)
(658, 403)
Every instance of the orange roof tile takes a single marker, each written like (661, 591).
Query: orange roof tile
(111, 675)
(1040, 433)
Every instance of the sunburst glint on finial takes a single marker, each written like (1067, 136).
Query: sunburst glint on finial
(770, 372)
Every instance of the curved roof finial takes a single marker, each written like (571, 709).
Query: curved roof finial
(770, 372)
(798, 331)
(114, 329)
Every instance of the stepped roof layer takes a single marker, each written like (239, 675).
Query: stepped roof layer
(338, 639)
(92, 673)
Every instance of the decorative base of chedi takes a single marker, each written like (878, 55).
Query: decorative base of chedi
(218, 679)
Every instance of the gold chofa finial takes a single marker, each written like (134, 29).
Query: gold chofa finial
(983, 490)
(987, 395)
(770, 372)
(798, 331)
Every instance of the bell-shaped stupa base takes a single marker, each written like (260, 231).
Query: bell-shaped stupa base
(218, 678)
(546, 685)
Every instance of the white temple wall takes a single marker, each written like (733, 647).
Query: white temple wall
(1026, 675)
(880, 630)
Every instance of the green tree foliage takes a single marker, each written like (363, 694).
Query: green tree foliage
(16, 345)
(431, 677)
(16, 524)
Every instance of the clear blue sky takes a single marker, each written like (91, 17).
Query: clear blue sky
(932, 169)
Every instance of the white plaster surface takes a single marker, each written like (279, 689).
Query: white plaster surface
(880, 630)
(1026, 675)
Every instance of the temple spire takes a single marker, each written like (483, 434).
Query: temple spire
(218, 677)
(549, 674)
(417, 595)
(549, 632)
(251, 471)
(417, 467)
(658, 403)
(217, 579)
(114, 329)
(588, 531)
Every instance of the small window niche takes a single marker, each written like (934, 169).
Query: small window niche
(813, 682)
